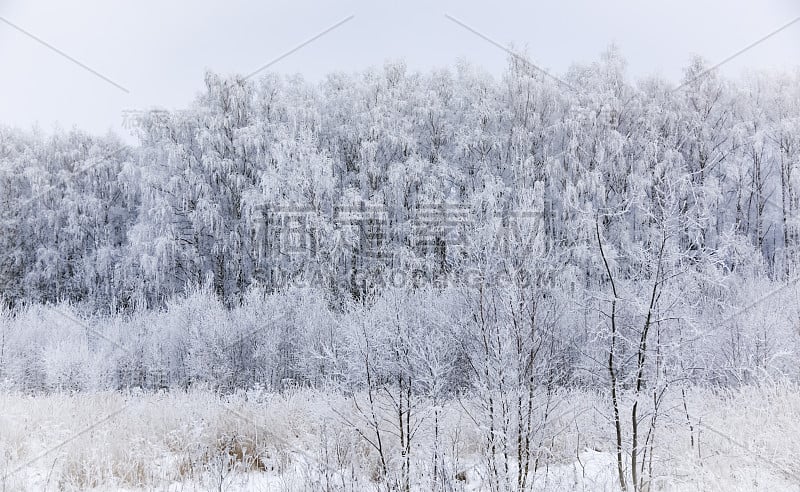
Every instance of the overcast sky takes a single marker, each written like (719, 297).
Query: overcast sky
(159, 50)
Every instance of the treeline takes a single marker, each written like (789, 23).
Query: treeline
(404, 178)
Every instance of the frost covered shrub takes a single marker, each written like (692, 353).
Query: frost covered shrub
(67, 366)
(24, 337)
(430, 337)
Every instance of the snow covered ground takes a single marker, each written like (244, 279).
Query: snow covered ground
(312, 440)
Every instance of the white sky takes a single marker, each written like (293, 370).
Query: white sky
(159, 50)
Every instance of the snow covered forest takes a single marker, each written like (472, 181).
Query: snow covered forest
(424, 281)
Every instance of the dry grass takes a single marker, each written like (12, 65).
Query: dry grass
(743, 440)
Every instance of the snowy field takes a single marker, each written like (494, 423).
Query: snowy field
(311, 440)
